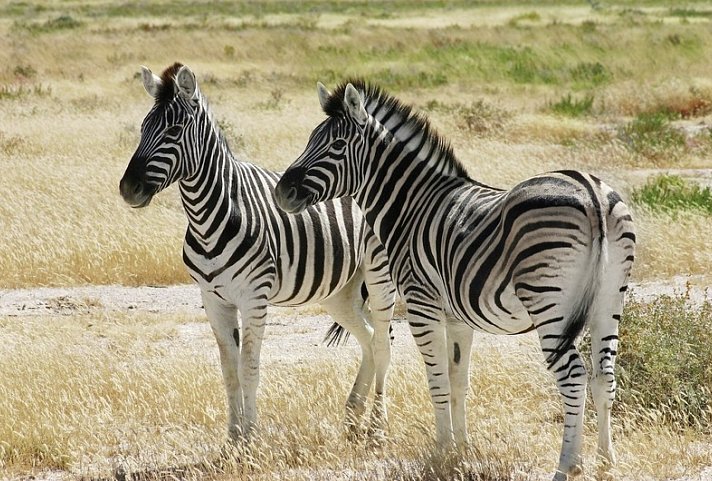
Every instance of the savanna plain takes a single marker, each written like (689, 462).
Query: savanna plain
(97, 384)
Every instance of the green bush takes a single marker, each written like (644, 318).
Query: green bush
(665, 360)
(650, 134)
(671, 193)
(572, 107)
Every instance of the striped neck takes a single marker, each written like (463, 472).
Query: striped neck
(406, 170)
(209, 193)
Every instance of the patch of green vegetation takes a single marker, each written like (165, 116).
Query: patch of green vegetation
(690, 13)
(524, 17)
(188, 8)
(24, 71)
(664, 360)
(650, 134)
(572, 107)
(588, 26)
(62, 22)
(590, 73)
(672, 193)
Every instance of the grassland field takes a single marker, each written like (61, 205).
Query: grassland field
(622, 89)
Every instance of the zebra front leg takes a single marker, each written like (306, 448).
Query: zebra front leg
(223, 321)
(427, 325)
(459, 340)
(254, 318)
(345, 309)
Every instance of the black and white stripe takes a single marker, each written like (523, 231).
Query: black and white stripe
(553, 254)
(246, 254)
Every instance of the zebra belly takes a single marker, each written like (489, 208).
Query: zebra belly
(295, 288)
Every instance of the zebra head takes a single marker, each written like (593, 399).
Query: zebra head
(330, 166)
(167, 149)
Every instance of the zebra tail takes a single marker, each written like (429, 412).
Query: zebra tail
(336, 335)
(581, 312)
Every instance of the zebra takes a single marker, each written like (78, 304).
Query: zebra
(246, 254)
(553, 254)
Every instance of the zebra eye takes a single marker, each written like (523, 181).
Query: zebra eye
(173, 131)
(338, 144)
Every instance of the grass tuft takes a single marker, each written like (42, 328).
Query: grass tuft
(572, 107)
(652, 135)
(672, 193)
(61, 22)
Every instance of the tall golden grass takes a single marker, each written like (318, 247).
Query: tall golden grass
(71, 113)
(101, 393)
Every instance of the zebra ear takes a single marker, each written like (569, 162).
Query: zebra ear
(186, 85)
(151, 82)
(354, 104)
(323, 93)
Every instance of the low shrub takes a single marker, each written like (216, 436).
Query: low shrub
(664, 360)
(568, 105)
(671, 193)
(652, 135)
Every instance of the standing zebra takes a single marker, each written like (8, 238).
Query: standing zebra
(552, 255)
(246, 254)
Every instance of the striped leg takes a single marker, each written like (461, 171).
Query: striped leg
(604, 326)
(223, 321)
(254, 318)
(571, 378)
(345, 308)
(459, 340)
(381, 300)
(427, 324)
(382, 355)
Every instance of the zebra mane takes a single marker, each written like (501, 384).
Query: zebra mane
(167, 91)
(379, 103)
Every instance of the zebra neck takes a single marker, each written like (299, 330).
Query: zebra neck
(210, 197)
(405, 175)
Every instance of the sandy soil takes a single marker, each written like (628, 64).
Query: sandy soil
(293, 335)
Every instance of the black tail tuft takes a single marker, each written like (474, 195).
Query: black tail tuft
(336, 335)
(581, 312)
(571, 332)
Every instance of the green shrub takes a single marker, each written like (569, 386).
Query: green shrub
(665, 360)
(572, 107)
(524, 17)
(650, 134)
(671, 193)
(592, 73)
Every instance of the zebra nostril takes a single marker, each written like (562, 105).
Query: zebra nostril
(137, 188)
(292, 194)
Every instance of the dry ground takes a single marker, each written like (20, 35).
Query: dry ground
(100, 380)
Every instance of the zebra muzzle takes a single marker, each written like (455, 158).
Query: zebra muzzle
(135, 192)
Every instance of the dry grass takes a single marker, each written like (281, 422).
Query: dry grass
(100, 393)
(71, 113)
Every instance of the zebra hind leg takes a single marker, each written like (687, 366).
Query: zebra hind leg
(345, 308)
(571, 379)
(604, 323)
